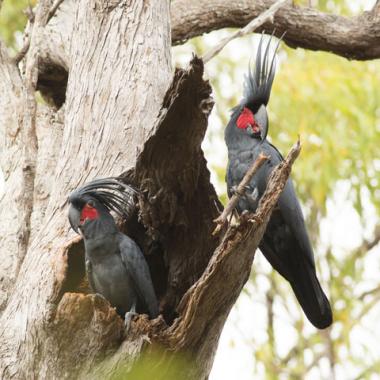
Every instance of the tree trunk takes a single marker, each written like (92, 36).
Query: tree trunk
(122, 113)
(113, 98)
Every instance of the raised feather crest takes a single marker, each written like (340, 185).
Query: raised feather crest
(111, 192)
(258, 82)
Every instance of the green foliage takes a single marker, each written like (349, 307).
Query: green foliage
(156, 364)
(342, 7)
(334, 105)
(12, 19)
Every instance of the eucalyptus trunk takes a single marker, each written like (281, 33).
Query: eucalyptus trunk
(113, 107)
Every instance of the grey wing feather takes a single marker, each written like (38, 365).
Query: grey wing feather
(292, 214)
(288, 202)
(138, 270)
(262, 176)
(291, 210)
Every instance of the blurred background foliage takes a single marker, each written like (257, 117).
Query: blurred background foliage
(156, 364)
(13, 20)
(333, 104)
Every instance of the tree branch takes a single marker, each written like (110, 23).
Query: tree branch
(253, 25)
(369, 244)
(25, 47)
(240, 191)
(368, 293)
(355, 37)
(29, 12)
(27, 36)
(53, 9)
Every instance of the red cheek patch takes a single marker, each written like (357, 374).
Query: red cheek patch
(246, 117)
(88, 212)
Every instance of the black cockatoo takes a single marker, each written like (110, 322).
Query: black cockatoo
(286, 243)
(116, 267)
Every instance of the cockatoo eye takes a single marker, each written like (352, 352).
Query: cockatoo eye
(89, 212)
(245, 119)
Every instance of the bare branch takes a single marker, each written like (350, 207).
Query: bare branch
(315, 361)
(369, 244)
(29, 12)
(368, 293)
(240, 191)
(21, 54)
(369, 371)
(351, 37)
(253, 25)
(354, 38)
(53, 9)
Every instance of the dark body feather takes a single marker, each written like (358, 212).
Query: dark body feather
(116, 267)
(286, 243)
(117, 270)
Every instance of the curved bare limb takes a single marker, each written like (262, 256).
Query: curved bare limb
(355, 37)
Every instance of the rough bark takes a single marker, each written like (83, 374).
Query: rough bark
(355, 37)
(11, 144)
(254, 24)
(124, 115)
(113, 98)
(115, 122)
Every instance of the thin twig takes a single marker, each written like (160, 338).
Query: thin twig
(369, 244)
(254, 24)
(222, 219)
(53, 9)
(317, 358)
(21, 54)
(29, 12)
(368, 293)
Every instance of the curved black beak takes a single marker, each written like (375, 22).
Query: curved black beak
(74, 218)
(250, 130)
(253, 131)
(261, 118)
